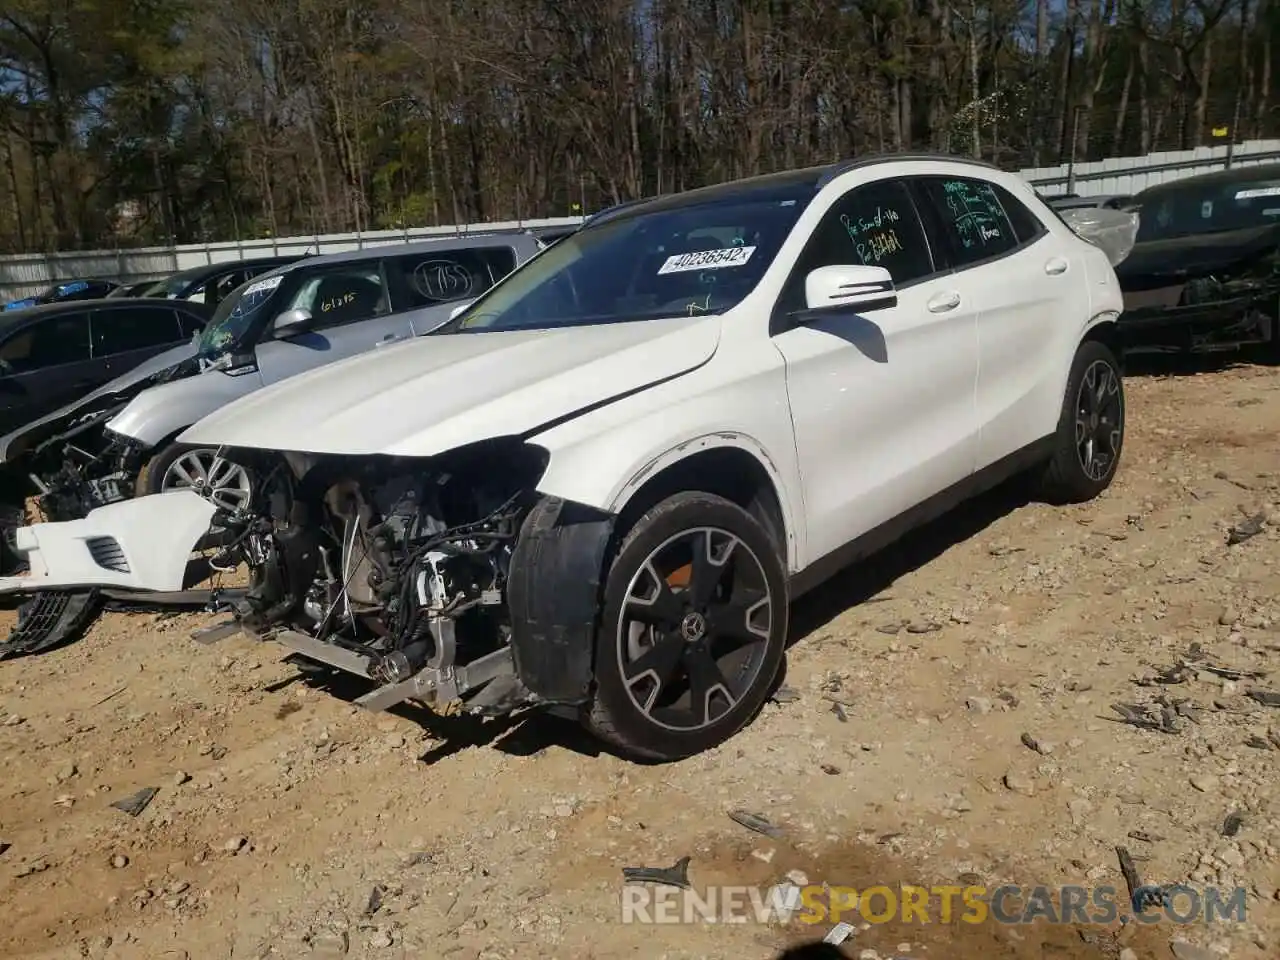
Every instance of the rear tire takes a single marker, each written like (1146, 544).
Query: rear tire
(1090, 435)
(692, 630)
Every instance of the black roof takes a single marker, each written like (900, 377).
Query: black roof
(10, 319)
(805, 181)
(1262, 171)
(192, 274)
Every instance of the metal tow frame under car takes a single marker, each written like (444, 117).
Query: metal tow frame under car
(437, 684)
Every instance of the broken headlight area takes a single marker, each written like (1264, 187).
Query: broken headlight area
(393, 569)
(86, 476)
(72, 469)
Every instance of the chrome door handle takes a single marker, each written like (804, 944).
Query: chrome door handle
(944, 302)
(1056, 266)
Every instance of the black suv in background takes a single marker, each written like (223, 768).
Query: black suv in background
(1204, 272)
(52, 354)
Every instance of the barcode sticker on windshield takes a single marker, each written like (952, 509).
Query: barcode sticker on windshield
(270, 283)
(707, 259)
(1258, 192)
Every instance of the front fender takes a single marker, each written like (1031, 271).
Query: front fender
(163, 410)
(606, 469)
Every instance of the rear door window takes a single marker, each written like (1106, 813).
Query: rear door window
(1197, 208)
(971, 217)
(136, 328)
(47, 343)
(447, 275)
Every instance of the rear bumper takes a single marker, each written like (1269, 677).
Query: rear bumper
(141, 544)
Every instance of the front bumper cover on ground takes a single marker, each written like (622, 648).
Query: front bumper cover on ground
(143, 545)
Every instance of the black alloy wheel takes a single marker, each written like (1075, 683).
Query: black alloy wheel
(693, 629)
(1090, 435)
(1099, 420)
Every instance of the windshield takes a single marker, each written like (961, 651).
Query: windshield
(681, 261)
(169, 289)
(1212, 208)
(236, 314)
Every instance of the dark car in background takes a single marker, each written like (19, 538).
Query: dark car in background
(132, 289)
(1204, 272)
(210, 283)
(53, 354)
(64, 292)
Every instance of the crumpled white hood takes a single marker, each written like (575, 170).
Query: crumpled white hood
(436, 393)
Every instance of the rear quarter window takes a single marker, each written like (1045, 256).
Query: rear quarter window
(447, 276)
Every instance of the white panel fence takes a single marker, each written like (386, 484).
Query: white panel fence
(1128, 175)
(26, 274)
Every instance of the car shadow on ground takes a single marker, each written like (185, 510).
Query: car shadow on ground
(1157, 365)
(866, 581)
(522, 734)
(818, 950)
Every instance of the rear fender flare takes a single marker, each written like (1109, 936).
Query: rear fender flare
(1102, 327)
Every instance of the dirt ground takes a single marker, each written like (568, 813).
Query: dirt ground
(946, 719)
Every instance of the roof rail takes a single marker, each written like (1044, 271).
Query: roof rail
(844, 166)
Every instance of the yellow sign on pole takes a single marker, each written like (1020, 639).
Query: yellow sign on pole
(1219, 131)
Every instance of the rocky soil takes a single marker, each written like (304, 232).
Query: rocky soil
(948, 715)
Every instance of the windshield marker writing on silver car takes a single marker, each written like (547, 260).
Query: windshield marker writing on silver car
(442, 280)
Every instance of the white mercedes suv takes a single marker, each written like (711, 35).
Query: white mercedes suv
(598, 488)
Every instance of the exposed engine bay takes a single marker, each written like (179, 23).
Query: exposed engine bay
(81, 468)
(398, 570)
(69, 463)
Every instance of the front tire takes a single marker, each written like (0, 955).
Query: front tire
(227, 484)
(1090, 435)
(692, 630)
(180, 465)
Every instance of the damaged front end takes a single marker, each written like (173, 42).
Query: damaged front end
(68, 463)
(449, 581)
